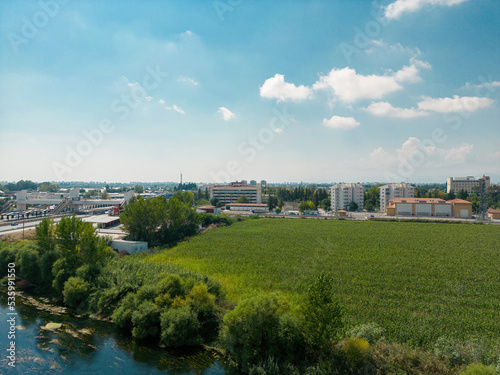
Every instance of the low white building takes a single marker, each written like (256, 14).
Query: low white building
(342, 195)
(391, 191)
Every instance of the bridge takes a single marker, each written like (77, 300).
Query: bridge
(68, 202)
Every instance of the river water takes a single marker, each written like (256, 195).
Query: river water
(86, 346)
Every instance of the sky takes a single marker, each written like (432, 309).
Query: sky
(313, 91)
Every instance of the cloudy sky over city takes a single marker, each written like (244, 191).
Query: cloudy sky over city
(323, 91)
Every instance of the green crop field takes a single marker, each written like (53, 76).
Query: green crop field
(419, 281)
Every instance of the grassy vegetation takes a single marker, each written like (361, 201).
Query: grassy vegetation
(420, 281)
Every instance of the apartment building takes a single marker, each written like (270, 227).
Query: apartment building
(391, 191)
(455, 184)
(343, 194)
(230, 193)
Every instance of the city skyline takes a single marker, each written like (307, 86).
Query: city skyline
(389, 91)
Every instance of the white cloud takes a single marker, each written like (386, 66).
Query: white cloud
(338, 122)
(349, 86)
(494, 155)
(276, 88)
(455, 104)
(189, 80)
(278, 130)
(415, 153)
(226, 113)
(458, 154)
(177, 109)
(384, 109)
(485, 85)
(396, 9)
(173, 108)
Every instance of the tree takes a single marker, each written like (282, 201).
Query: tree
(242, 199)
(462, 194)
(215, 202)
(260, 328)
(323, 315)
(105, 195)
(353, 206)
(45, 238)
(142, 218)
(76, 291)
(272, 202)
(139, 189)
(326, 204)
(307, 205)
(185, 197)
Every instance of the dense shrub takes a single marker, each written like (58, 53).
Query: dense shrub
(7, 255)
(370, 332)
(46, 263)
(28, 264)
(203, 304)
(146, 321)
(76, 290)
(180, 327)
(122, 316)
(260, 328)
(459, 352)
(479, 369)
(89, 272)
(355, 350)
(62, 270)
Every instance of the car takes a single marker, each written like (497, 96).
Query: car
(14, 224)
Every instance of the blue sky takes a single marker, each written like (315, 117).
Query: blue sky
(324, 91)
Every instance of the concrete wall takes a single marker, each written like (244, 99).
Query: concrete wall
(131, 247)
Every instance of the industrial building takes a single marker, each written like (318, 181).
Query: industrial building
(341, 196)
(391, 191)
(429, 207)
(230, 193)
(455, 184)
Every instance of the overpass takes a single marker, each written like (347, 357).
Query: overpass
(70, 201)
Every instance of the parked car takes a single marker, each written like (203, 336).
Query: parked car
(13, 224)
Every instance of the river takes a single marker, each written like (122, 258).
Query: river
(86, 346)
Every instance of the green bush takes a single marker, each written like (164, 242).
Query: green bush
(180, 327)
(171, 284)
(355, 350)
(76, 290)
(28, 264)
(203, 304)
(370, 332)
(89, 272)
(260, 328)
(459, 352)
(478, 369)
(62, 270)
(46, 263)
(7, 255)
(146, 321)
(122, 316)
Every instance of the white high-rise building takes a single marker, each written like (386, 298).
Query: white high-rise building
(391, 191)
(342, 195)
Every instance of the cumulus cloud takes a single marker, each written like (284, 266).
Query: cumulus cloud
(337, 122)
(188, 80)
(276, 88)
(226, 113)
(175, 107)
(455, 104)
(349, 86)
(384, 109)
(416, 153)
(396, 9)
(485, 85)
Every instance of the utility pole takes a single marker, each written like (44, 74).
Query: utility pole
(483, 204)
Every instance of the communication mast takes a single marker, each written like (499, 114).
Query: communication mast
(483, 204)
